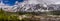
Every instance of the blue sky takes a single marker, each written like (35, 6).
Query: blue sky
(11, 2)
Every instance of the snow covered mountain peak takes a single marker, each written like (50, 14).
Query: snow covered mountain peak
(32, 6)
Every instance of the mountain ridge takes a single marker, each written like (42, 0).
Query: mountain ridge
(30, 6)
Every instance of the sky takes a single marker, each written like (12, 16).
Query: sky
(11, 2)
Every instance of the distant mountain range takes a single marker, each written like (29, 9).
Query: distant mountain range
(32, 6)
